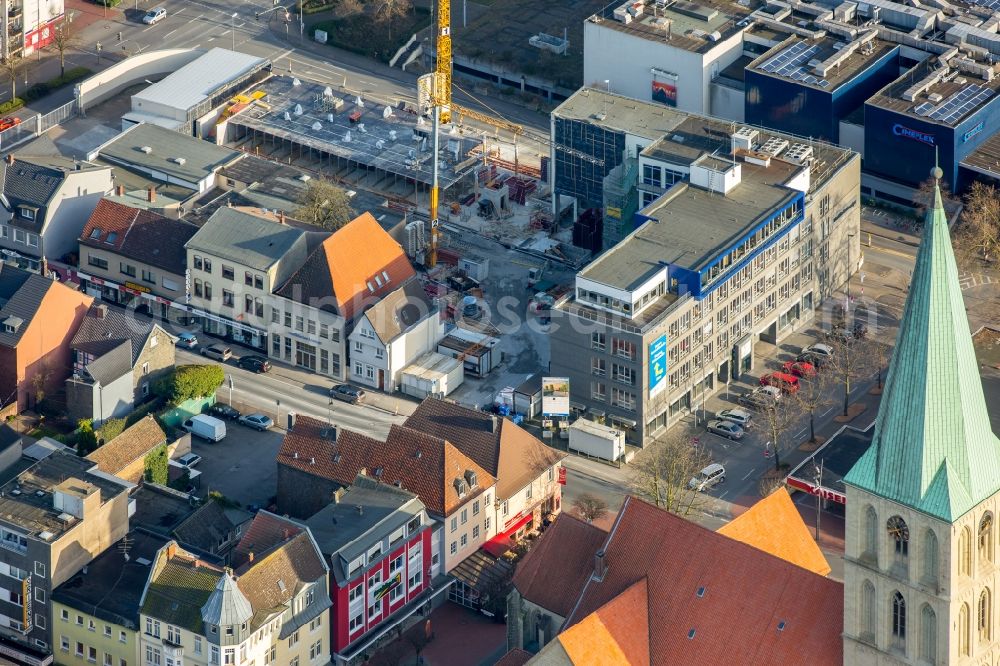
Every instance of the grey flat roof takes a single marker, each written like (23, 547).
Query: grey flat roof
(617, 112)
(200, 79)
(687, 20)
(407, 154)
(694, 225)
(168, 149)
(791, 60)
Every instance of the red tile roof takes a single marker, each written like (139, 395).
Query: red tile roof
(139, 234)
(423, 464)
(516, 657)
(508, 451)
(553, 573)
(616, 633)
(746, 594)
(355, 266)
(266, 532)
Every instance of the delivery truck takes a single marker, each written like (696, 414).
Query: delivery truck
(206, 427)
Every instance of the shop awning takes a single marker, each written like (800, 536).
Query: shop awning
(502, 542)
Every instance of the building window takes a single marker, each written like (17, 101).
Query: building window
(214, 657)
(598, 391)
(871, 533)
(39, 620)
(898, 620)
(928, 635)
(229, 656)
(415, 579)
(299, 323)
(598, 366)
(228, 273)
(174, 634)
(316, 623)
(27, 212)
(227, 298)
(147, 276)
(79, 649)
(293, 640)
(986, 538)
(985, 614)
(868, 612)
(258, 282)
(475, 508)
(316, 649)
(107, 630)
(152, 627)
(108, 660)
(97, 262)
(597, 341)
(963, 630)
(652, 175)
(197, 288)
(453, 548)
(504, 507)
(64, 644)
(965, 552)
(127, 269)
(197, 644)
(92, 655)
(198, 262)
(19, 236)
(930, 572)
(475, 532)
(356, 623)
(122, 637)
(465, 516)
(464, 540)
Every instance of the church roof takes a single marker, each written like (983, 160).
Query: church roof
(933, 448)
(775, 526)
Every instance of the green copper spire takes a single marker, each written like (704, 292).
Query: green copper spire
(933, 448)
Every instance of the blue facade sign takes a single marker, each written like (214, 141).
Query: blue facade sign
(916, 135)
(657, 364)
(974, 131)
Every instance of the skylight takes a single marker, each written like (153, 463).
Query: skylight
(95, 233)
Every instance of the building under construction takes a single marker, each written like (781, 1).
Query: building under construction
(354, 140)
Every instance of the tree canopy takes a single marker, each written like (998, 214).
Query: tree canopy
(191, 381)
(324, 205)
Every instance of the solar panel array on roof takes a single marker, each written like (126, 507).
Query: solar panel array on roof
(965, 100)
(992, 4)
(790, 63)
(923, 109)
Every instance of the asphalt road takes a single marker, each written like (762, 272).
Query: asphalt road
(270, 394)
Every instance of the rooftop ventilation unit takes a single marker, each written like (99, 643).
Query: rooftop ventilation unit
(180, 160)
(774, 146)
(799, 153)
(146, 149)
(317, 125)
(298, 109)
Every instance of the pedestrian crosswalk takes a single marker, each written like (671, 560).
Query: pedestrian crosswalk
(968, 280)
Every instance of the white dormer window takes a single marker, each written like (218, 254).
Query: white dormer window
(27, 212)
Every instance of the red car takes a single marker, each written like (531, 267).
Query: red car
(787, 383)
(9, 122)
(799, 369)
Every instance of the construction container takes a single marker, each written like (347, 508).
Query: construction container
(593, 439)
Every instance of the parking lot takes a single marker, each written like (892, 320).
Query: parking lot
(242, 466)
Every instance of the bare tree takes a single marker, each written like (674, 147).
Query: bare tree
(661, 472)
(64, 39)
(779, 416)
(388, 11)
(880, 356)
(590, 507)
(976, 237)
(325, 205)
(813, 394)
(347, 8)
(850, 362)
(12, 66)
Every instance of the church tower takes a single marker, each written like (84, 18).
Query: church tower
(921, 570)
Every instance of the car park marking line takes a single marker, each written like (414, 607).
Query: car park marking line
(800, 432)
(826, 412)
(170, 33)
(749, 474)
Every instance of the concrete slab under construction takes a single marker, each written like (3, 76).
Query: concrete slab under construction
(355, 139)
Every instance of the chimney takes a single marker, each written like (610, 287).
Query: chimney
(120, 190)
(250, 556)
(44, 267)
(496, 423)
(281, 216)
(312, 461)
(151, 194)
(171, 550)
(361, 510)
(9, 158)
(600, 567)
(197, 564)
(285, 533)
(100, 311)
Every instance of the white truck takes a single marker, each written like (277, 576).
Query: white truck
(206, 427)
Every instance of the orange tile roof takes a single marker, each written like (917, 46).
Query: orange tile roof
(711, 599)
(775, 526)
(345, 263)
(432, 478)
(616, 633)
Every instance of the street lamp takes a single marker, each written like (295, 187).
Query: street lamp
(818, 481)
(850, 270)
(233, 17)
(230, 390)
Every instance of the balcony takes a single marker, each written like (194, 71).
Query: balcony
(13, 11)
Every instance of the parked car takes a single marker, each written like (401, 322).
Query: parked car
(206, 427)
(760, 398)
(708, 478)
(257, 421)
(154, 15)
(819, 349)
(8, 122)
(189, 460)
(803, 369)
(816, 361)
(787, 383)
(219, 352)
(254, 363)
(224, 411)
(726, 429)
(347, 393)
(840, 335)
(187, 340)
(740, 417)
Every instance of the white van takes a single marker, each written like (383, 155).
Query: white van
(206, 427)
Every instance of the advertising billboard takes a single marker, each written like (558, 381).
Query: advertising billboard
(657, 364)
(555, 396)
(665, 89)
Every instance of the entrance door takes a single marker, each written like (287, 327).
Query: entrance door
(381, 379)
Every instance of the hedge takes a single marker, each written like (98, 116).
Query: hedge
(11, 105)
(40, 90)
(191, 381)
(155, 466)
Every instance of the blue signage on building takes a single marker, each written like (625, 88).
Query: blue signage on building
(657, 362)
(974, 131)
(916, 135)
